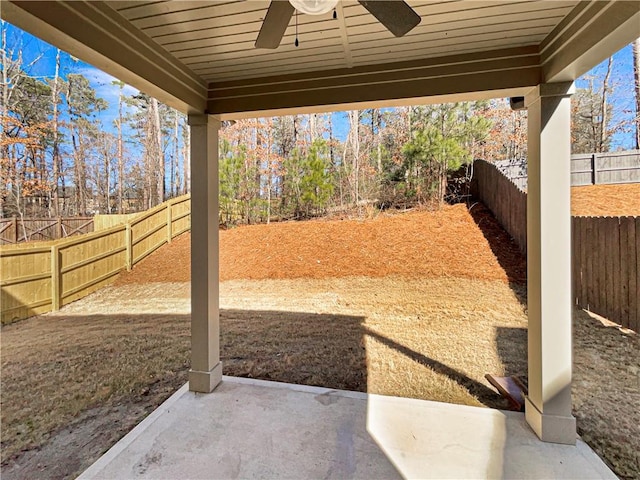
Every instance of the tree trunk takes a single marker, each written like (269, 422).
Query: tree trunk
(5, 173)
(354, 124)
(269, 173)
(636, 81)
(604, 120)
(56, 163)
(107, 168)
(159, 160)
(176, 152)
(120, 152)
(186, 158)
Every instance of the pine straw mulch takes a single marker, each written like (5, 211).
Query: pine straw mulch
(451, 242)
(606, 200)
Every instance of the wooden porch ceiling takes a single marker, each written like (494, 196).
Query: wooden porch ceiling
(198, 55)
(216, 39)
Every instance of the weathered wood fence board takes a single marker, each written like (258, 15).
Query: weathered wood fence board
(26, 282)
(606, 250)
(586, 169)
(43, 276)
(103, 221)
(16, 230)
(507, 202)
(606, 267)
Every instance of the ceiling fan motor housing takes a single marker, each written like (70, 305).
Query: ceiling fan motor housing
(314, 7)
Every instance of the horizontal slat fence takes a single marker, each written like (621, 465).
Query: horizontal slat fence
(40, 277)
(586, 169)
(17, 230)
(606, 250)
(102, 221)
(26, 282)
(605, 168)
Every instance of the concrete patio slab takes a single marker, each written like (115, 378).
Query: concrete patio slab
(256, 429)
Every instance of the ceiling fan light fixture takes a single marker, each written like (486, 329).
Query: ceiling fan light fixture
(314, 7)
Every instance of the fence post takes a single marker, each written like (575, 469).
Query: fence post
(59, 228)
(15, 228)
(55, 278)
(129, 252)
(169, 220)
(594, 176)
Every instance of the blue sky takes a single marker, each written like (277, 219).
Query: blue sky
(33, 48)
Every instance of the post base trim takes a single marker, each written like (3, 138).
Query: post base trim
(205, 382)
(550, 428)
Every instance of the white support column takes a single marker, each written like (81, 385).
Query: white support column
(206, 369)
(548, 405)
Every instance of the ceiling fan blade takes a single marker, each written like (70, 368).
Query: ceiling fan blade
(274, 25)
(398, 17)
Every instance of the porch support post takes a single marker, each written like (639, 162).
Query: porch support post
(206, 369)
(548, 405)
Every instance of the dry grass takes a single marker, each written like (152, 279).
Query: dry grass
(55, 368)
(428, 338)
(385, 338)
(606, 391)
(606, 200)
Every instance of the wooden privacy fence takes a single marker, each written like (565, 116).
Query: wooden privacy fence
(586, 169)
(41, 277)
(605, 250)
(16, 230)
(507, 202)
(606, 267)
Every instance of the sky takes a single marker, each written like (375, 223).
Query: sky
(41, 56)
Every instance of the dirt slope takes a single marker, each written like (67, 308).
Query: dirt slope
(606, 200)
(452, 242)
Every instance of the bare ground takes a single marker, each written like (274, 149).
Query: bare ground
(75, 381)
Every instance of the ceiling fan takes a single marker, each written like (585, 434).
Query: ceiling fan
(397, 17)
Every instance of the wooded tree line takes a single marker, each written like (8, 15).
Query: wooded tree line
(57, 159)
(297, 167)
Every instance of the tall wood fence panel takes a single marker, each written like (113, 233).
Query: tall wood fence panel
(606, 250)
(41, 277)
(180, 215)
(606, 267)
(26, 282)
(16, 230)
(104, 221)
(507, 202)
(605, 168)
(88, 263)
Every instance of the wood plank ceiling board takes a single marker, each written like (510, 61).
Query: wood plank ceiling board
(216, 39)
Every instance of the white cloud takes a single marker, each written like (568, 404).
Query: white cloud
(102, 84)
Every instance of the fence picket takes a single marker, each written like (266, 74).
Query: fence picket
(623, 252)
(585, 261)
(575, 255)
(637, 274)
(615, 253)
(602, 268)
